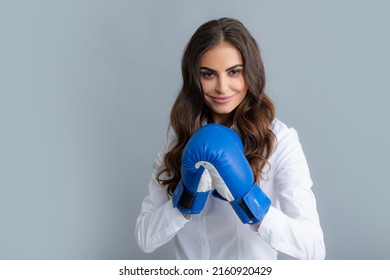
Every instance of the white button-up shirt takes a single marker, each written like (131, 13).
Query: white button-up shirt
(290, 228)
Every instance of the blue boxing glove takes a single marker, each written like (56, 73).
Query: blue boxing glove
(193, 189)
(232, 176)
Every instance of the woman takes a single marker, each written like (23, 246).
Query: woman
(223, 83)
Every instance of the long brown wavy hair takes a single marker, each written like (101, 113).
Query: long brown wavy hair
(251, 118)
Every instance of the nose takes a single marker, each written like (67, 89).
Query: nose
(222, 85)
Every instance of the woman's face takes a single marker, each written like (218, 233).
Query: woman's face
(222, 80)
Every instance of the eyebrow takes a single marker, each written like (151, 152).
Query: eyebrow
(227, 70)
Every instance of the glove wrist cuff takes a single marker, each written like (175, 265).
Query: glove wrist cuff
(253, 206)
(188, 202)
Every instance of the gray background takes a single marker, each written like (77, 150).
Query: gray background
(87, 86)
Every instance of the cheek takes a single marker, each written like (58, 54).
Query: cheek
(207, 86)
(239, 85)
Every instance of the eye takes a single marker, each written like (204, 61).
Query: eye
(207, 75)
(235, 72)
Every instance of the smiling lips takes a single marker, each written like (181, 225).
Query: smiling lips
(221, 100)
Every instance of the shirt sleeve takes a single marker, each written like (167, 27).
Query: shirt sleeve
(292, 227)
(158, 221)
